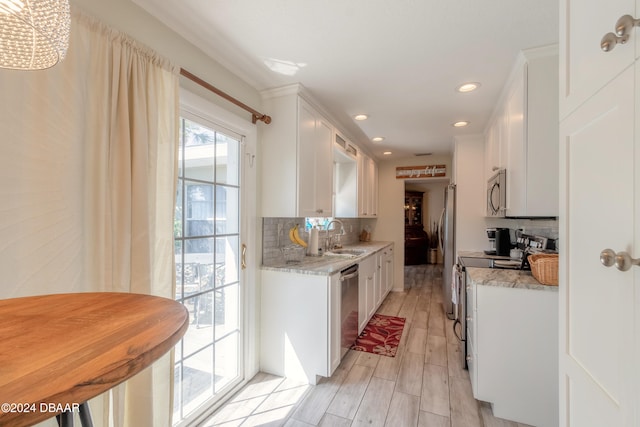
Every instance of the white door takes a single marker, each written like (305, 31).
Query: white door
(209, 359)
(599, 197)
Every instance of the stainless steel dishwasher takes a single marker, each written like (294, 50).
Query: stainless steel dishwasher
(348, 308)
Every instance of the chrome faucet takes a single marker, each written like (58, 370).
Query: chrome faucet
(330, 242)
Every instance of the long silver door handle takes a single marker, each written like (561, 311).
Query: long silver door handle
(622, 260)
(348, 276)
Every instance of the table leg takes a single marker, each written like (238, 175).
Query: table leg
(85, 415)
(65, 419)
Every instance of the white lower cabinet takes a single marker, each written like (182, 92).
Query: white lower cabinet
(366, 287)
(512, 352)
(300, 325)
(300, 321)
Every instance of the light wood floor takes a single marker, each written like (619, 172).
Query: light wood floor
(424, 385)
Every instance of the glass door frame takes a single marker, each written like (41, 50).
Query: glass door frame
(195, 108)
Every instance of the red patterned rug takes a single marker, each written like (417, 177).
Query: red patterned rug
(381, 335)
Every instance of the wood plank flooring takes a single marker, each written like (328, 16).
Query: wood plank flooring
(425, 385)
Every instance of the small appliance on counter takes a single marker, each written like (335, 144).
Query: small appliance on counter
(503, 241)
(491, 235)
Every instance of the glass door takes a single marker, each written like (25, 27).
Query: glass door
(208, 360)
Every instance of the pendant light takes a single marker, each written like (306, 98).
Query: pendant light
(34, 34)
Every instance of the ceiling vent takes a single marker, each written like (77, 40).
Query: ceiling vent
(422, 154)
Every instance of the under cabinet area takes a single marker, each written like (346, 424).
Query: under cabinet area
(512, 351)
(297, 162)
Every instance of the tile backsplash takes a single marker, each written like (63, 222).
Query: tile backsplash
(275, 235)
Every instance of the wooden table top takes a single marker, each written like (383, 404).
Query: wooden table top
(68, 348)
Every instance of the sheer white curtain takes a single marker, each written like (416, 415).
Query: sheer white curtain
(88, 165)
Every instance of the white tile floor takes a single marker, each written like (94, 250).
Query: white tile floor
(424, 385)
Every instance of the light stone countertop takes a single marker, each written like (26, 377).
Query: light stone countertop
(327, 265)
(506, 278)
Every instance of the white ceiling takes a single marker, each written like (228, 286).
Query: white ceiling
(398, 61)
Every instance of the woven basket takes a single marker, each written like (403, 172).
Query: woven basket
(544, 268)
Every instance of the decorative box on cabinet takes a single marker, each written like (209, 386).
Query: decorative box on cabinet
(297, 160)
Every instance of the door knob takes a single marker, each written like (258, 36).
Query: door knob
(625, 24)
(610, 40)
(622, 260)
(623, 28)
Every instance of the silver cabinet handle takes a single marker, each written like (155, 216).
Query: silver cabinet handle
(622, 260)
(623, 29)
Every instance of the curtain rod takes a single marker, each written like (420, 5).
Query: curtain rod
(255, 115)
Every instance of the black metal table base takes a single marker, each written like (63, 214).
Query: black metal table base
(65, 419)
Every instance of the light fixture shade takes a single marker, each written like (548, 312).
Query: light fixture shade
(34, 34)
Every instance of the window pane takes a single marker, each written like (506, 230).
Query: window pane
(177, 218)
(198, 209)
(197, 379)
(199, 151)
(227, 207)
(227, 260)
(226, 310)
(199, 335)
(226, 359)
(227, 159)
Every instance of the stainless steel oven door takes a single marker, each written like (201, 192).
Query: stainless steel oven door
(496, 194)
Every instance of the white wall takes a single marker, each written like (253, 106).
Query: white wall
(470, 193)
(390, 223)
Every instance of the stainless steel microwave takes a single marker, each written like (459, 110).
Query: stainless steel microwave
(497, 194)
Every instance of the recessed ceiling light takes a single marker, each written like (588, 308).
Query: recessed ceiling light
(468, 87)
(386, 153)
(360, 117)
(377, 139)
(460, 124)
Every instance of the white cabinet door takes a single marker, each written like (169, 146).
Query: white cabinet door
(598, 359)
(315, 163)
(379, 279)
(323, 168)
(584, 68)
(362, 296)
(306, 190)
(516, 154)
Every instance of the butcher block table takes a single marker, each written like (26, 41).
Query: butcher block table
(58, 351)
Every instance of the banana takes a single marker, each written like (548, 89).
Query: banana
(297, 237)
(291, 236)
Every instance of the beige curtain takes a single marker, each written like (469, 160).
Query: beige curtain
(89, 157)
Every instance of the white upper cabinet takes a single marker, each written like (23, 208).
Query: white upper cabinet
(297, 157)
(585, 27)
(523, 137)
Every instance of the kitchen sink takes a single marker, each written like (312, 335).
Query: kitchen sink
(346, 252)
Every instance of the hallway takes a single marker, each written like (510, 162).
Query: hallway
(424, 385)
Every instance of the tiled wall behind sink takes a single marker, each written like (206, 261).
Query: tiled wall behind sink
(273, 242)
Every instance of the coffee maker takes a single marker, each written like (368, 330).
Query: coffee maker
(491, 235)
(503, 241)
(499, 241)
